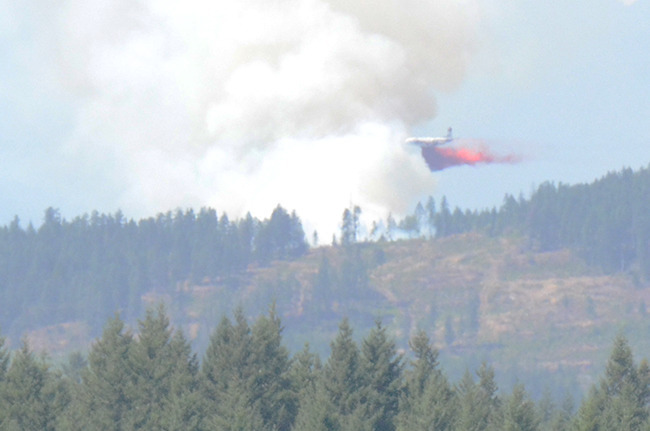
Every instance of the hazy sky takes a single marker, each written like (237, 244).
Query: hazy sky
(151, 105)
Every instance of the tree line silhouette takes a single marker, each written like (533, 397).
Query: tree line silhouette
(83, 268)
(248, 381)
(607, 222)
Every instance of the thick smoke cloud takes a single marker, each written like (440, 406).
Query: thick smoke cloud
(243, 104)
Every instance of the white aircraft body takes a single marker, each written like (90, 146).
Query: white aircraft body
(431, 142)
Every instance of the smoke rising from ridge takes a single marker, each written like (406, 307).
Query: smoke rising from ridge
(241, 105)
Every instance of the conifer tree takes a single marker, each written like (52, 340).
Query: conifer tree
(564, 415)
(625, 389)
(429, 401)
(443, 219)
(589, 417)
(487, 390)
(357, 421)
(270, 384)
(519, 411)
(425, 365)
(620, 368)
(164, 373)
(475, 406)
(324, 282)
(74, 366)
(29, 394)
(434, 409)
(620, 401)
(70, 418)
(4, 365)
(226, 378)
(249, 369)
(4, 359)
(317, 412)
(350, 226)
(546, 409)
(347, 229)
(305, 370)
(643, 376)
(107, 392)
(381, 373)
(431, 216)
(150, 364)
(341, 374)
(185, 408)
(237, 411)
(227, 362)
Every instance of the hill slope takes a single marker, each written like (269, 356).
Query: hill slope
(545, 318)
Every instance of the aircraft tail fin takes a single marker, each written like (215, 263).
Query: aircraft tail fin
(449, 133)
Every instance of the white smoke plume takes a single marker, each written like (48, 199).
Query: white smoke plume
(241, 105)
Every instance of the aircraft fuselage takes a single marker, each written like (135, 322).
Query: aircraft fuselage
(426, 142)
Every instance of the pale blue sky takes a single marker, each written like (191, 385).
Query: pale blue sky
(571, 93)
(96, 101)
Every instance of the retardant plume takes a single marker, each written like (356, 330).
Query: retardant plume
(439, 158)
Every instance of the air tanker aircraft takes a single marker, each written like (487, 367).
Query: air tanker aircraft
(431, 142)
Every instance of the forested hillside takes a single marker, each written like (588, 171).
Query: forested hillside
(87, 268)
(249, 381)
(607, 222)
(538, 287)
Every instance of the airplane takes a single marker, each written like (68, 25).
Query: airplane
(431, 142)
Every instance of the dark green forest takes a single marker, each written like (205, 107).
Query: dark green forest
(248, 381)
(607, 222)
(87, 268)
